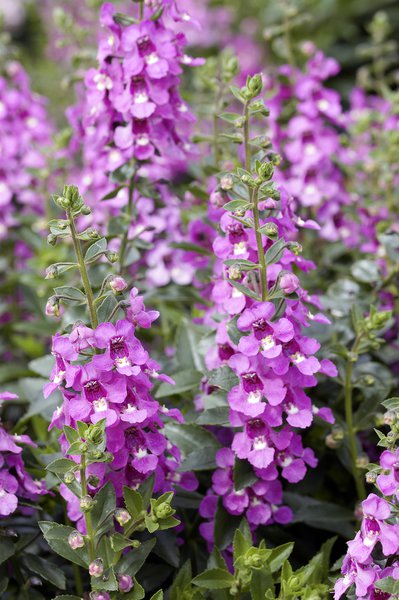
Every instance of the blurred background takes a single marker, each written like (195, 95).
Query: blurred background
(42, 31)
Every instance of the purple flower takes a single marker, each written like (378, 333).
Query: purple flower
(388, 480)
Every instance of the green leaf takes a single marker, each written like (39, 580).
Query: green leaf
(184, 382)
(190, 437)
(391, 403)
(146, 490)
(60, 466)
(191, 248)
(157, 596)
(365, 271)
(67, 597)
(113, 193)
(202, 459)
(108, 582)
(132, 562)
(119, 542)
(245, 290)
(321, 515)
(245, 265)
(96, 249)
(182, 580)
(57, 538)
(137, 593)
(388, 585)
(225, 527)
(73, 294)
(42, 366)
(261, 581)
(279, 555)
(103, 510)
(230, 117)
(214, 579)
(71, 434)
(219, 415)
(275, 252)
(133, 502)
(243, 474)
(240, 544)
(45, 569)
(237, 93)
(7, 549)
(223, 378)
(234, 205)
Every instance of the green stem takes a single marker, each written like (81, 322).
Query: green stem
(129, 212)
(255, 209)
(141, 10)
(348, 391)
(83, 271)
(287, 34)
(87, 515)
(259, 244)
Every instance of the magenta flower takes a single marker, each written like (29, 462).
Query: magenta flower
(388, 480)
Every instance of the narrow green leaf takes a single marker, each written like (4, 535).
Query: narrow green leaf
(214, 579)
(245, 290)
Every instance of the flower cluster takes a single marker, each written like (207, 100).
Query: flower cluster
(130, 107)
(24, 134)
(259, 323)
(310, 139)
(106, 373)
(378, 539)
(16, 485)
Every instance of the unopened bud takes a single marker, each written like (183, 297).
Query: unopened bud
(96, 568)
(86, 503)
(52, 239)
(76, 540)
(99, 596)
(270, 229)
(338, 433)
(93, 481)
(362, 461)
(122, 516)
(125, 583)
(234, 272)
(331, 443)
(53, 307)
(265, 171)
(69, 477)
(226, 182)
(92, 233)
(51, 272)
(389, 417)
(254, 85)
(371, 477)
(85, 210)
(117, 284)
(113, 257)
(163, 511)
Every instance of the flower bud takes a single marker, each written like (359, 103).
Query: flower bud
(100, 596)
(85, 210)
(122, 516)
(52, 239)
(270, 230)
(113, 257)
(163, 511)
(69, 477)
(95, 434)
(234, 272)
(362, 461)
(226, 182)
(371, 477)
(331, 443)
(76, 540)
(125, 583)
(92, 233)
(117, 284)
(389, 417)
(51, 272)
(289, 283)
(93, 481)
(86, 503)
(254, 85)
(96, 568)
(337, 433)
(53, 307)
(265, 171)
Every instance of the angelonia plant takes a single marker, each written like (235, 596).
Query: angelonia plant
(196, 365)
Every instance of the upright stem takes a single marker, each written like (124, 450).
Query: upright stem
(87, 515)
(287, 36)
(255, 208)
(348, 390)
(141, 10)
(259, 244)
(129, 212)
(83, 271)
